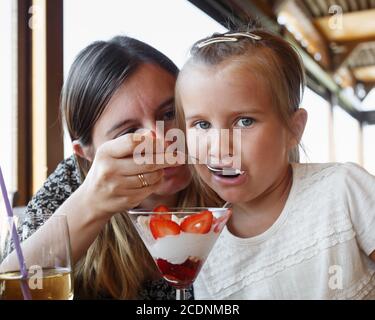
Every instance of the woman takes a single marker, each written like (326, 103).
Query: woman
(113, 89)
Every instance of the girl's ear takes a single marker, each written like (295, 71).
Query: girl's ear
(84, 152)
(298, 123)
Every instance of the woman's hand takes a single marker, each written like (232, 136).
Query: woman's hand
(112, 184)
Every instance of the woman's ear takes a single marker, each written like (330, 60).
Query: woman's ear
(298, 123)
(83, 152)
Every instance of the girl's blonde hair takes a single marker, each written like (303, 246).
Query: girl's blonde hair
(273, 59)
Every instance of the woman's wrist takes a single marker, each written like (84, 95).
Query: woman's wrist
(92, 212)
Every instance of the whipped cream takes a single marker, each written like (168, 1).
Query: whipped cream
(177, 248)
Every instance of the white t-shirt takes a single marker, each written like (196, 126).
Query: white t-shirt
(318, 247)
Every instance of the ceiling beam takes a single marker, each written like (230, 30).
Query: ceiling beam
(268, 6)
(359, 25)
(368, 117)
(343, 4)
(217, 11)
(323, 5)
(363, 4)
(353, 5)
(365, 74)
(313, 8)
(304, 30)
(349, 104)
(340, 60)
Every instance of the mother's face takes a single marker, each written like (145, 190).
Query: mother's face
(146, 97)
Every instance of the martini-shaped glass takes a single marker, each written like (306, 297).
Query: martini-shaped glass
(179, 240)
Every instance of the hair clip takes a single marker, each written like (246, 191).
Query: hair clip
(227, 37)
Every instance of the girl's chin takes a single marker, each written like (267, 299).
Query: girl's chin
(233, 196)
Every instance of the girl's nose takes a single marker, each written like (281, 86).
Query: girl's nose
(221, 148)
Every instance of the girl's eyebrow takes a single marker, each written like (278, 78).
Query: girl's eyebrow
(197, 116)
(232, 113)
(249, 111)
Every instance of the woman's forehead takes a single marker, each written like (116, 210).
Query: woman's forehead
(149, 86)
(139, 98)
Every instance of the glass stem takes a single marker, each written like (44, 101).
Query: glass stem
(181, 294)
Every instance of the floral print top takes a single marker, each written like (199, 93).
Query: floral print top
(56, 189)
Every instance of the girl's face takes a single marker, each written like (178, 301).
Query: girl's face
(146, 97)
(228, 96)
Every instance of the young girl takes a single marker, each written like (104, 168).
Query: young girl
(298, 231)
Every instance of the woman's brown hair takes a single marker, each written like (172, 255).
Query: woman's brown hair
(117, 263)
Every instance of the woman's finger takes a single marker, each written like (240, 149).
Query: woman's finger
(131, 167)
(124, 146)
(142, 180)
(133, 197)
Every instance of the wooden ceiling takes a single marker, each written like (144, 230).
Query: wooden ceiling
(338, 34)
(336, 40)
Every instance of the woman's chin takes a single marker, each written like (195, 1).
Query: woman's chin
(174, 183)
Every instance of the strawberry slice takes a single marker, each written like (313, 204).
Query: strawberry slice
(162, 227)
(198, 223)
(161, 209)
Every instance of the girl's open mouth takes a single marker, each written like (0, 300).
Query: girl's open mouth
(228, 173)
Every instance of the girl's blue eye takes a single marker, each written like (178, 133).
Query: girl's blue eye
(202, 125)
(244, 122)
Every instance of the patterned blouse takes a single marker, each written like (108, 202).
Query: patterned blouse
(57, 188)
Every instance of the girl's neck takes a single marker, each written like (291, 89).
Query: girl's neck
(256, 216)
(155, 200)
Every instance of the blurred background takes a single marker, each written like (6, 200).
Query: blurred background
(40, 38)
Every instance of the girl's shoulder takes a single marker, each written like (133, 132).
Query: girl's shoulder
(348, 175)
(342, 195)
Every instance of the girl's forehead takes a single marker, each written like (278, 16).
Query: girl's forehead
(232, 73)
(228, 87)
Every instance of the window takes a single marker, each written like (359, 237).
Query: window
(346, 133)
(368, 148)
(171, 26)
(315, 140)
(369, 135)
(7, 96)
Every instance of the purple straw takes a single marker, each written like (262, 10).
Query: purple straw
(24, 287)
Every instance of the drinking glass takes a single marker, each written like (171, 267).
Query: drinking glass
(47, 257)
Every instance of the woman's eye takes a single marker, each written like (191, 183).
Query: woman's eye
(244, 122)
(169, 115)
(132, 130)
(202, 125)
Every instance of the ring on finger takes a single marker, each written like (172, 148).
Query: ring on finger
(143, 180)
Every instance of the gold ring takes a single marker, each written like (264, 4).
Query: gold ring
(143, 180)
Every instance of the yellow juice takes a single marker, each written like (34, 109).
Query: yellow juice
(55, 284)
